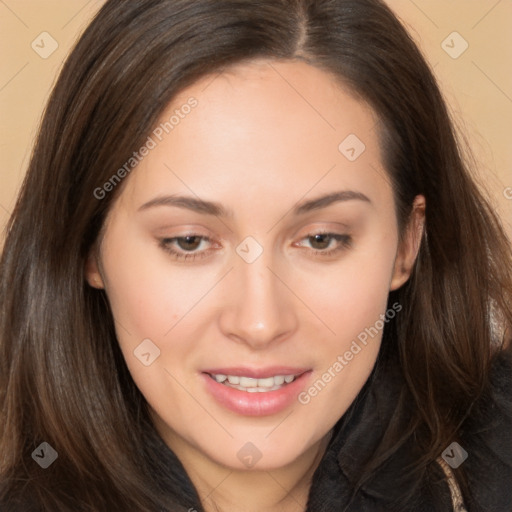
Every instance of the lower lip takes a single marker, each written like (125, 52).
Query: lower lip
(256, 404)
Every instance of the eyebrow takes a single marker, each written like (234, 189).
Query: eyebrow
(212, 208)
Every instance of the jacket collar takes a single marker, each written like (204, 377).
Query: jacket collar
(357, 435)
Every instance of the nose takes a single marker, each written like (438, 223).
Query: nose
(258, 308)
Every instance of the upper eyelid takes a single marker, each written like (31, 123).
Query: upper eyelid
(338, 237)
(317, 228)
(170, 239)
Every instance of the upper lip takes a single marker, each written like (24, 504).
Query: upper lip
(257, 373)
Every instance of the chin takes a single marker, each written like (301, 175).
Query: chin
(260, 452)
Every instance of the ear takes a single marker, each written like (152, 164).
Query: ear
(410, 245)
(92, 271)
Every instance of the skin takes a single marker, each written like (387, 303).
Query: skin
(263, 138)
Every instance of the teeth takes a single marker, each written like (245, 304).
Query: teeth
(265, 383)
(279, 380)
(254, 385)
(247, 382)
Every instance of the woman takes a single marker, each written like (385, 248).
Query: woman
(249, 270)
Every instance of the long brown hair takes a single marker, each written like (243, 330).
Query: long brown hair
(63, 379)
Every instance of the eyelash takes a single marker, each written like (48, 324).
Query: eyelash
(344, 242)
(165, 243)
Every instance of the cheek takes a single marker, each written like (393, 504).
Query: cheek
(151, 299)
(350, 295)
(149, 295)
(351, 300)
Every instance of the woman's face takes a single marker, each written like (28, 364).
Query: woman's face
(255, 243)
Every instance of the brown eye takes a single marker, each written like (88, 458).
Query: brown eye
(189, 243)
(188, 247)
(320, 241)
(326, 244)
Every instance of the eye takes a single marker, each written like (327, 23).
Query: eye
(193, 247)
(327, 244)
(187, 247)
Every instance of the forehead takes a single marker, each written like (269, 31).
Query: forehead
(255, 101)
(263, 125)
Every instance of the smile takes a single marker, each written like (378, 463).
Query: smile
(252, 392)
(252, 385)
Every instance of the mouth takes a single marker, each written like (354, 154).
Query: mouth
(253, 385)
(251, 392)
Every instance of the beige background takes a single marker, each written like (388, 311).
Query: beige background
(477, 84)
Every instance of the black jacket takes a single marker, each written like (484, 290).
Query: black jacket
(486, 436)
